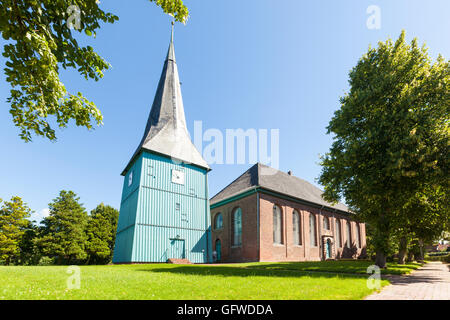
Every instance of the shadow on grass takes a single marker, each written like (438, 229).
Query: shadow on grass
(230, 271)
(329, 266)
(346, 267)
(328, 269)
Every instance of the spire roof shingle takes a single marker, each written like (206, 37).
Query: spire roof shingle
(166, 132)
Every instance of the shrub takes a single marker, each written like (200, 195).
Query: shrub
(46, 261)
(438, 257)
(440, 253)
(446, 259)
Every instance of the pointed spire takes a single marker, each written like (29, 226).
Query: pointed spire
(166, 131)
(171, 51)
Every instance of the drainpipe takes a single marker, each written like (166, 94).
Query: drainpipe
(208, 226)
(258, 237)
(303, 232)
(320, 233)
(285, 230)
(333, 233)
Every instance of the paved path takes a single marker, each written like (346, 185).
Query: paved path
(431, 282)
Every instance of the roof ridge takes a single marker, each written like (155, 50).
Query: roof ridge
(246, 171)
(282, 183)
(289, 175)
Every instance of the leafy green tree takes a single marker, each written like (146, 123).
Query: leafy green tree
(13, 223)
(403, 247)
(391, 136)
(428, 215)
(29, 252)
(101, 234)
(64, 230)
(392, 245)
(39, 42)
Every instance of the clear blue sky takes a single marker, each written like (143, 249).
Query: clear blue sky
(263, 64)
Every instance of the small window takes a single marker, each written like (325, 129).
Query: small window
(358, 236)
(312, 230)
(218, 221)
(338, 233)
(326, 223)
(277, 225)
(130, 178)
(237, 227)
(349, 239)
(296, 228)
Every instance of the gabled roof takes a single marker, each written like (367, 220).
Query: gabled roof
(166, 132)
(265, 177)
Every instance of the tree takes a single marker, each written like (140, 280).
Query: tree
(29, 252)
(428, 215)
(13, 222)
(39, 42)
(391, 136)
(101, 234)
(64, 230)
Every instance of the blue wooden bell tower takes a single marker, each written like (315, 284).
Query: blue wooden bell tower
(164, 212)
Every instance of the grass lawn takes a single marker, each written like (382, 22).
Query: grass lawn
(180, 282)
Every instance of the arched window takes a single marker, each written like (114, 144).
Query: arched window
(312, 230)
(358, 236)
(296, 228)
(326, 223)
(218, 221)
(277, 225)
(338, 233)
(349, 239)
(237, 227)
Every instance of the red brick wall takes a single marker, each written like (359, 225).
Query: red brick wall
(287, 251)
(291, 252)
(248, 251)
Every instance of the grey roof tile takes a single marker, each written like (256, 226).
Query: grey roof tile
(266, 177)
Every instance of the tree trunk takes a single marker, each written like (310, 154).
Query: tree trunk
(380, 259)
(381, 241)
(402, 250)
(410, 257)
(421, 256)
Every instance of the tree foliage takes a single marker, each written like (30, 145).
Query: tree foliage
(40, 41)
(101, 234)
(29, 252)
(427, 214)
(13, 224)
(391, 136)
(67, 235)
(64, 231)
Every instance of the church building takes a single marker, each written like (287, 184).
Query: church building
(269, 215)
(164, 212)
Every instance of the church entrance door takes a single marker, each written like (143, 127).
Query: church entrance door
(218, 249)
(328, 248)
(176, 250)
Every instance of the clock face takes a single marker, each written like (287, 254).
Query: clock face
(177, 176)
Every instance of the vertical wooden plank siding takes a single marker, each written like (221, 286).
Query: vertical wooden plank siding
(155, 211)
